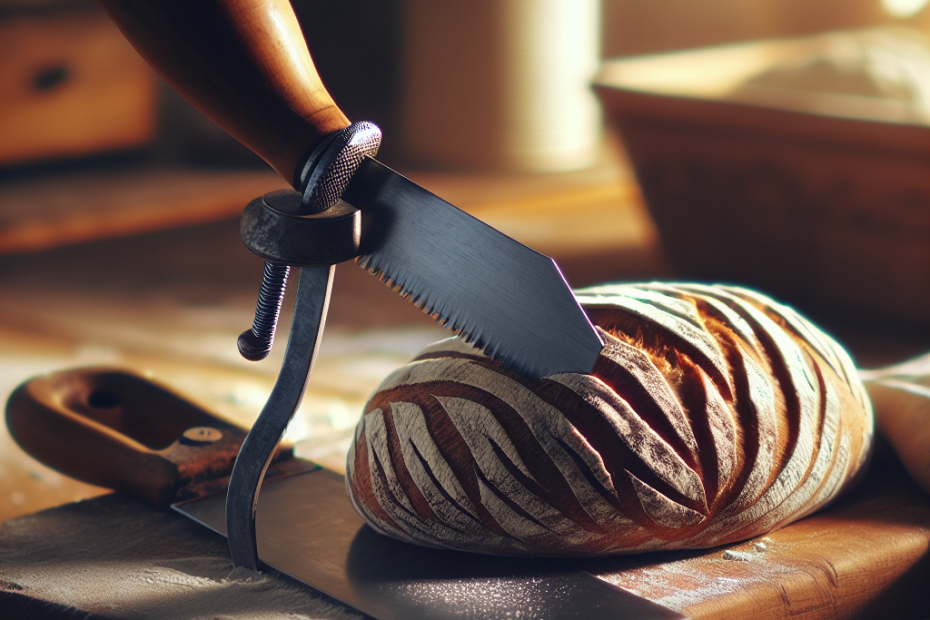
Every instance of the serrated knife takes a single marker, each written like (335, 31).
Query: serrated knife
(116, 429)
(245, 64)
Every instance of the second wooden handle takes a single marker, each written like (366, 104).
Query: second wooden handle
(243, 63)
(118, 430)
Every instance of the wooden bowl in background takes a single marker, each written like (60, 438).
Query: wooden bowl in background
(816, 197)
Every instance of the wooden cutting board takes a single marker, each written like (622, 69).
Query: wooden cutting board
(868, 556)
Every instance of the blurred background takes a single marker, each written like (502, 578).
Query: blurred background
(71, 87)
(790, 152)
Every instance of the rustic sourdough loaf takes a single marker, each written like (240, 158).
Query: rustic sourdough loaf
(712, 415)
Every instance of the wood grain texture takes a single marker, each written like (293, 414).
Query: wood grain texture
(47, 211)
(866, 557)
(713, 415)
(119, 557)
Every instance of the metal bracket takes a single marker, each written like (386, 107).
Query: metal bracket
(312, 229)
(283, 228)
(313, 291)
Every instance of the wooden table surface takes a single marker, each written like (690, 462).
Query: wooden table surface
(167, 297)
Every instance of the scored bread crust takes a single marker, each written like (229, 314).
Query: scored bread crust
(713, 414)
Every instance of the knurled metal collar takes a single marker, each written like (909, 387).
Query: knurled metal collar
(332, 164)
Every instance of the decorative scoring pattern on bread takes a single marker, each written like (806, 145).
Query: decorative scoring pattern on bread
(713, 414)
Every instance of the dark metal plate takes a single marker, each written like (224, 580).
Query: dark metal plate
(308, 530)
(510, 300)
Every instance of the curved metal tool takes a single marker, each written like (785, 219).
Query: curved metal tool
(290, 228)
(313, 291)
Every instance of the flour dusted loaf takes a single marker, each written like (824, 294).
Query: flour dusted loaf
(713, 415)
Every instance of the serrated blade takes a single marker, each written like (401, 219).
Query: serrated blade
(506, 298)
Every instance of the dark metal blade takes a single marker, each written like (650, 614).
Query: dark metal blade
(510, 300)
(308, 530)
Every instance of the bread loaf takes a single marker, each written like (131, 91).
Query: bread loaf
(713, 414)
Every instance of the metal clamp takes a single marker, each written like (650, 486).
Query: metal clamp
(255, 455)
(311, 229)
(281, 226)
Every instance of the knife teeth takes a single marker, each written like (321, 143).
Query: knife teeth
(401, 284)
(456, 320)
(499, 295)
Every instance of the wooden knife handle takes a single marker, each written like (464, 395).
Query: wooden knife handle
(118, 430)
(243, 63)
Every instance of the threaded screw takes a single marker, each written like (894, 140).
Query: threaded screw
(255, 343)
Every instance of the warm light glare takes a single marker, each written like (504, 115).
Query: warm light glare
(903, 8)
